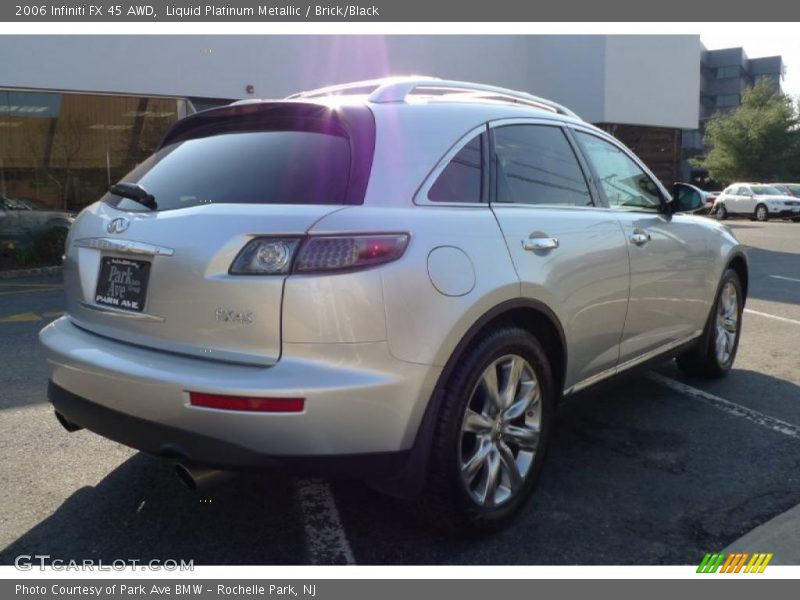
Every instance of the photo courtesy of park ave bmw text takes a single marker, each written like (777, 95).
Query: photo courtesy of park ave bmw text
(286, 286)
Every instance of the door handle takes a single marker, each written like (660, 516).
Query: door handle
(639, 237)
(539, 243)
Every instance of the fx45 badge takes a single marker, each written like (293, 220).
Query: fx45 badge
(225, 315)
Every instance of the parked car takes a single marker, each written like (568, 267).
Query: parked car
(788, 189)
(24, 224)
(757, 201)
(395, 280)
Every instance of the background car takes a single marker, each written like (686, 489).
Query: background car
(757, 201)
(30, 233)
(790, 189)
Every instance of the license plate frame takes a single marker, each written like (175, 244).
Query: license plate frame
(122, 283)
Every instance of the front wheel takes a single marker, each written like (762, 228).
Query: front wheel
(722, 212)
(761, 214)
(493, 427)
(715, 352)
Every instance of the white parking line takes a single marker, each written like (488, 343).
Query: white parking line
(326, 540)
(785, 278)
(769, 316)
(737, 410)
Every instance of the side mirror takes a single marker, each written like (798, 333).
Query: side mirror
(686, 199)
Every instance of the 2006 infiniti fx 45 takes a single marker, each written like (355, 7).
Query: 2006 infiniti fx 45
(394, 279)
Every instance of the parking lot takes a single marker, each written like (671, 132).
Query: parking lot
(657, 469)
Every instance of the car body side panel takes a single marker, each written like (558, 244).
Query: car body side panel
(671, 292)
(584, 280)
(423, 323)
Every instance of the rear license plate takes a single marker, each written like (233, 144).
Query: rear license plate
(123, 283)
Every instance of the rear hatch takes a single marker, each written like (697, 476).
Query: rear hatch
(161, 277)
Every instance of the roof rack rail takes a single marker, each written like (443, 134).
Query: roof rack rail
(397, 89)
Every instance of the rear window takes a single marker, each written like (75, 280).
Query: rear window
(247, 167)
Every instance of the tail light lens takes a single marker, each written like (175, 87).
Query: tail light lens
(337, 253)
(317, 254)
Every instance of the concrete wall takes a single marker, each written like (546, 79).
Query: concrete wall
(648, 80)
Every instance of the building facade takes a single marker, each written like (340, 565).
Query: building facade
(78, 112)
(724, 76)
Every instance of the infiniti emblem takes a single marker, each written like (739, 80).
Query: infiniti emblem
(118, 225)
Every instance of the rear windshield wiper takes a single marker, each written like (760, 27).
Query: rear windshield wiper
(134, 192)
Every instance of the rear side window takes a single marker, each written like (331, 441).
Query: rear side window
(536, 165)
(462, 178)
(247, 167)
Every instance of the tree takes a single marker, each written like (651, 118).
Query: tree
(758, 141)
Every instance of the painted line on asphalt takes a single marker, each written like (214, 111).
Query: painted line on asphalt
(326, 540)
(785, 278)
(769, 316)
(737, 410)
(54, 289)
(32, 285)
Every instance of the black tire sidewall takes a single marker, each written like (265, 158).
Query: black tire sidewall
(507, 340)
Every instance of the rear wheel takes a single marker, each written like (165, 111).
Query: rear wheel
(761, 214)
(714, 354)
(491, 435)
(722, 212)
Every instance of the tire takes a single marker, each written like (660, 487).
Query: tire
(457, 497)
(706, 359)
(722, 212)
(761, 213)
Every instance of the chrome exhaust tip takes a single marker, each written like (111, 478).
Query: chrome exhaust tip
(66, 423)
(198, 478)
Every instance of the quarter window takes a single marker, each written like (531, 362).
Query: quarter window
(536, 165)
(625, 184)
(462, 178)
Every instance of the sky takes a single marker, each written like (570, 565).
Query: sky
(757, 45)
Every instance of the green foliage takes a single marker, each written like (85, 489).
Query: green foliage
(758, 141)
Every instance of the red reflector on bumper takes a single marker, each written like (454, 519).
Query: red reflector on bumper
(277, 405)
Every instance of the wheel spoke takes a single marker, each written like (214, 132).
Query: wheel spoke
(511, 383)
(491, 479)
(510, 467)
(525, 436)
(492, 388)
(475, 422)
(476, 461)
(528, 398)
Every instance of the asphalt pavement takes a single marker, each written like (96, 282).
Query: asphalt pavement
(655, 469)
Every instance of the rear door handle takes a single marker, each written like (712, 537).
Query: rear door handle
(639, 237)
(539, 243)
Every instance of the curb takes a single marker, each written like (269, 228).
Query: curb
(780, 536)
(30, 272)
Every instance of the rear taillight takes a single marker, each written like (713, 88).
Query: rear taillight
(245, 403)
(317, 254)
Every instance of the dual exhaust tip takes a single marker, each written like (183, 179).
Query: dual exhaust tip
(197, 478)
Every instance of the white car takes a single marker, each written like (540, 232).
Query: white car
(758, 201)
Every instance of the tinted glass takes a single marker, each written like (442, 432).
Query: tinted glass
(462, 177)
(625, 184)
(536, 165)
(263, 167)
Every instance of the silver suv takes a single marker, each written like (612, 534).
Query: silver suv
(395, 280)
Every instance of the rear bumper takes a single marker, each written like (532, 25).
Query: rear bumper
(180, 444)
(359, 401)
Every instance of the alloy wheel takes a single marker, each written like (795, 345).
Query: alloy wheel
(727, 323)
(500, 431)
(761, 213)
